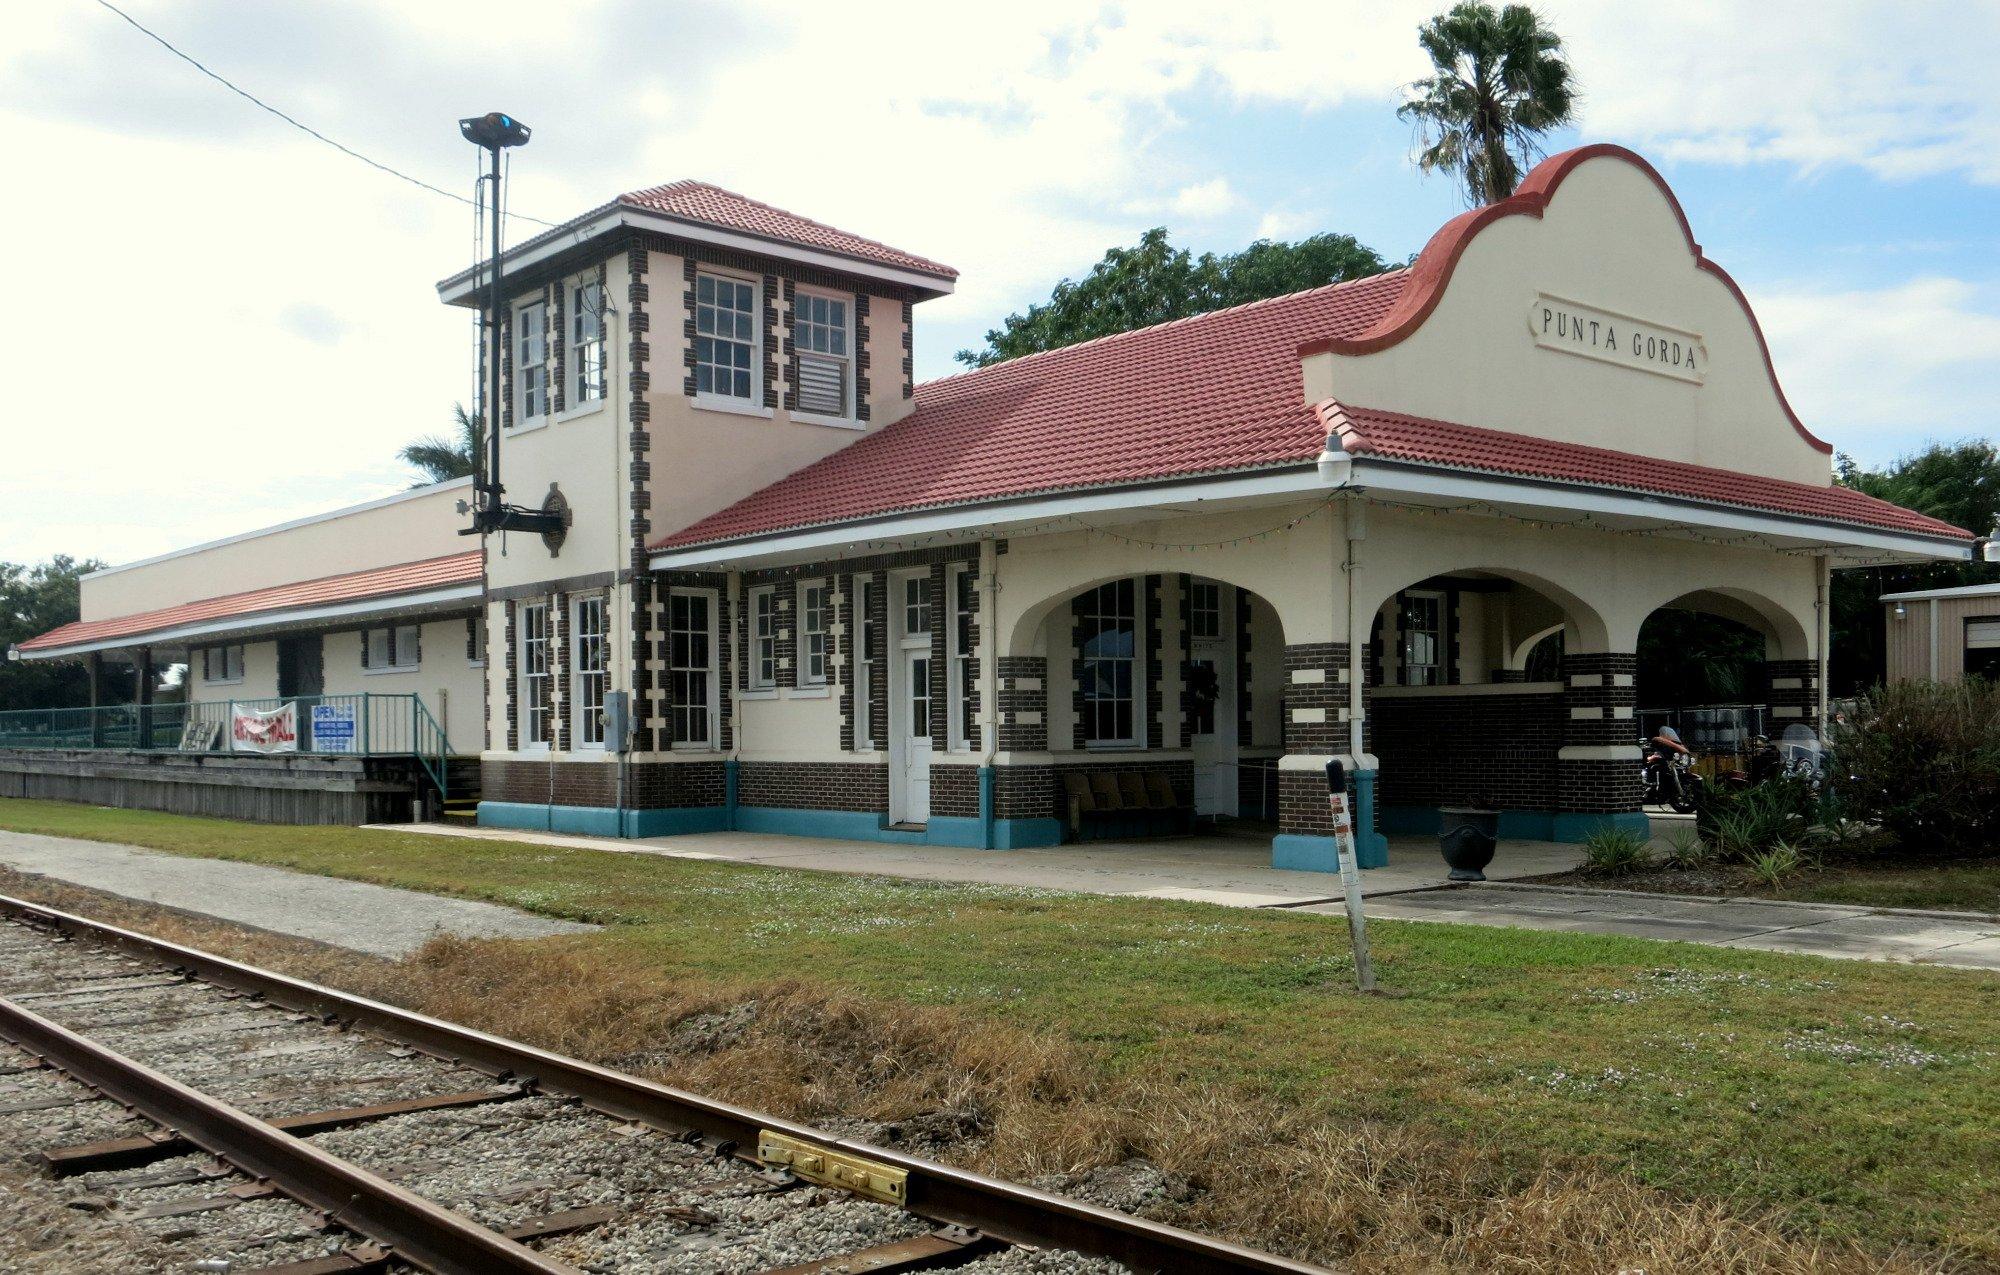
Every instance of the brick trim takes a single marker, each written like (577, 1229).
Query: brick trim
(1024, 703)
(862, 358)
(1154, 701)
(512, 698)
(1797, 702)
(940, 658)
(559, 668)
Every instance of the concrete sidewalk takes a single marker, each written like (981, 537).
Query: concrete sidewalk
(351, 914)
(1962, 940)
(1235, 873)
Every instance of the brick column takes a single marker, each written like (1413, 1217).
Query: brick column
(1791, 695)
(1023, 791)
(1316, 730)
(1597, 769)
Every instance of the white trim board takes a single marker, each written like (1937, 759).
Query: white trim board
(362, 608)
(307, 521)
(1962, 591)
(1359, 474)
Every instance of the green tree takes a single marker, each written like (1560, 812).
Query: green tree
(1153, 281)
(1958, 482)
(34, 600)
(1502, 81)
(442, 459)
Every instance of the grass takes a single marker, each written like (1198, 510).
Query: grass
(1537, 1101)
(1966, 886)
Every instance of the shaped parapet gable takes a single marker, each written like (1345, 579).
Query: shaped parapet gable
(1579, 309)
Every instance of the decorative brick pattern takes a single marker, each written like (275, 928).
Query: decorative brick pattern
(559, 667)
(689, 269)
(847, 665)
(1600, 694)
(940, 663)
(1024, 704)
(1185, 585)
(909, 350)
(788, 347)
(506, 371)
(512, 697)
(1246, 728)
(785, 597)
(556, 337)
(1497, 751)
(968, 592)
(1314, 710)
(770, 317)
(849, 786)
(1791, 694)
(1154, 702)
(862, 357)
(646, 618)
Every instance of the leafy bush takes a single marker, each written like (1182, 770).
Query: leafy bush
(1611, 852)
(1740, 823)
(1686, 849)
(1922, 759)
(1772, 867)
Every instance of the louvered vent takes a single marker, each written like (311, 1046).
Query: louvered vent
(822, 385)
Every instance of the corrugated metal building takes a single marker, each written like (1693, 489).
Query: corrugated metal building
(1943, 634)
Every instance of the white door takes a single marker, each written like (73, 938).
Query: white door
(1212, 733)
(915, 806)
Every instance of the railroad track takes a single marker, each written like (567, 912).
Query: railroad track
(224, 1117)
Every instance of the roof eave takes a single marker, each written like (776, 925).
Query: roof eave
(463, 288)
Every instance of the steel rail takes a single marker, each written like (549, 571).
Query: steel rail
(424, 1234)
(1009, 1212)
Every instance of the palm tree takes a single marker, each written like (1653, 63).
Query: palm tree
(1502, 81)
(442, 459)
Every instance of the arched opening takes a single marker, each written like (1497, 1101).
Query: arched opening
(1721, 666)
(1467, 705)
(1152, 684)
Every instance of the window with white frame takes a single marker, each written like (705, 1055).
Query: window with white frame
(590, 656)
(964, 669)
(725, 342)
(916, 606)
(391, 650)
(475, 640)
(531, 373)
(763, 671)
(864, 662)
(585, 361)
(221, 664)
(820, 334)
(691, 667)
(1420, 638)
(1204, 609)
(813, 617)
(1108, 651)
(535, 681)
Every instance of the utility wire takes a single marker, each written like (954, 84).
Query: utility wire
(307, 129)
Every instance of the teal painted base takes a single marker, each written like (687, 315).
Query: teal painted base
(600, 821)
(1517, 825)
(1317, 854)
(942, 830)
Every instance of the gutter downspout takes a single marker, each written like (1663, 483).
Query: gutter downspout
(989, 659)
(1822, 604)
(733, 582)
(1336, 469)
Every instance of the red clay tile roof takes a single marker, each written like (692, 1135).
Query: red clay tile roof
(714, 206)
(1204, 395)
(1365, 432)
(379, 582)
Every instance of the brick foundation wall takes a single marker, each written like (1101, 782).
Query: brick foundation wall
(651, 786)
(849, 786)
(1604, 787)
(1302, 804)
(954, 791)
(1491, 750)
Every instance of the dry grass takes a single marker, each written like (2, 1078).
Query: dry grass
(1367, 1196)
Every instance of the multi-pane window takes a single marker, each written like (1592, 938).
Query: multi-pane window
(916, 606)
(1205, 609)
(691, 666)
(531, 373)
(590, 650)
(820, 335)
(725, 341)
(585, 364)
(964, 670)
(475, 640)
(1108, 644)
(535, 681)
(920, 696)
(1420, 624)
(222, 664)
(864, 666)
(389, 649)
(763, 638)
(812, 632)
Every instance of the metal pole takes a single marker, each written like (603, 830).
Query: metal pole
(489, 481)
(1350, 875)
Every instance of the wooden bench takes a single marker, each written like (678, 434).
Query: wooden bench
(1123, 803)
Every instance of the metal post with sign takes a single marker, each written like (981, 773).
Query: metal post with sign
(1350, 874)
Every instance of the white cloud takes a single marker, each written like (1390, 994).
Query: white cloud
(1877, 371)
(1197, 201)
(1284, 223)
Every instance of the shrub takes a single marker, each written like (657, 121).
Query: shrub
(1611, 852)
(1740, 823)
(1772, 867)
(1922, 759)
(1686, 849)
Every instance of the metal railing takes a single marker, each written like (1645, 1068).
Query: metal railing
(360, 725)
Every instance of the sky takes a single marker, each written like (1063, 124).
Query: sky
(218, 323)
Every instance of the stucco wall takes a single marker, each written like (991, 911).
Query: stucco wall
(448, 682)
(260, 676)
(406, 528)
(1610, 241)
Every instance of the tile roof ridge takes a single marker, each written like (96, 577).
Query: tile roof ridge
(697, 183)
(1164, 324)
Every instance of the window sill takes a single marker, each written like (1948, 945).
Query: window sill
(1113, 746)
(209, 681)
(730, 406)
(758, 692)
(392, 671)
(530, 426)
(831, 422)
(575, 413)
(810, 692)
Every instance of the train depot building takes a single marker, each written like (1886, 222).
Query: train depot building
(1122, 589)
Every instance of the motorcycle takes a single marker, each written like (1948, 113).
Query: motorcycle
(1672, 782)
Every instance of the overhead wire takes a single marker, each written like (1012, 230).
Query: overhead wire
(305, 128)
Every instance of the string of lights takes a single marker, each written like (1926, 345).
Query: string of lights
(307, 129)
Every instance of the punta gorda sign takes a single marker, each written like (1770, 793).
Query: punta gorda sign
(1571, 327)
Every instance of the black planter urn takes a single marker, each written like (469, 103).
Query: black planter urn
(1467, 836)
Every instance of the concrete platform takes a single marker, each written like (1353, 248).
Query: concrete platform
(351, 914)
(1235, 871)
